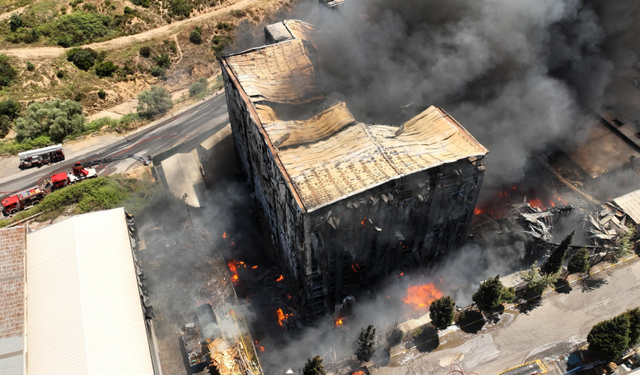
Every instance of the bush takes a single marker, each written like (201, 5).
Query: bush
(60, 74)
(128, 10)
(238, 13)
(219, 43)
(9, 111)
(224, 26)
(145, 51)
(84, 58)
(634, 329)
(491, 294)
(142, 3)
(54, 118)
(157, 71)
(105, 69)
(78, 28)
(179, 8)
(89, 8)
(30, 66)
(162, 60)
(579, 262)
(195, 37)
(537, 282)
(102, 94)
(198, 87)
(442, 312)
(7, 72)
(610, 338)
(154, 101)
(16, 22)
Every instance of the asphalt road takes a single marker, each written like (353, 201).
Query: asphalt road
(207, 117)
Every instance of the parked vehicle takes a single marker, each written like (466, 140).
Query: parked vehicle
(22, 200)
(41, 156)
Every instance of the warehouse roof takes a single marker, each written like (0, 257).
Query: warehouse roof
(84, 313)
(630, 205)
(330, 156)
(12, 248)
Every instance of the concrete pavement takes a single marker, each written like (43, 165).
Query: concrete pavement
(548, 331)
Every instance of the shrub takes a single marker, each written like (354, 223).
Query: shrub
(154, 101)
(102, 94)
(78, 97)
(79, 27)
(224, 26)
(195, 37)
(157, 71)
(179, 8)
(89, 8)
(491, 294)
(219, 43)
(82, 58)
(579, 262)
(145, 51)
(442, 312)
(537, 282)
(198, 87)
(238, 13)
(7, 72)
(105, 69)
(9, 111)
(162, 60)
(128, 10)
(60, 74)
(15, 22)
(142, 3)
(30, 66)
(54, 118)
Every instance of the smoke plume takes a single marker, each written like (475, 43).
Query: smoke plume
(518, 74)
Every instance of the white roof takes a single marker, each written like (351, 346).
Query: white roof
(84, 314)
(630, 204)
(39, 151)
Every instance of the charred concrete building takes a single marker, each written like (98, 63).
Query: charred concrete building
(342, 202)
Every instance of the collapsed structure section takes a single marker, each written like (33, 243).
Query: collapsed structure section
(342, 202)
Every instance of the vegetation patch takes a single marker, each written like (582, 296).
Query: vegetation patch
(7, 72)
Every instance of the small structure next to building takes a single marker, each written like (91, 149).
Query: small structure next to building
(343, 202)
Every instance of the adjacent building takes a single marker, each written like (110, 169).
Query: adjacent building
(343, 202)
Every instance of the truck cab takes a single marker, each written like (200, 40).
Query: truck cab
(22, 200)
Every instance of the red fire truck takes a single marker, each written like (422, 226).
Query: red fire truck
(22, 200)
(41, 156)
(78, 173)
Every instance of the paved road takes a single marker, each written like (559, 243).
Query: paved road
(207, 117)
(551, 330)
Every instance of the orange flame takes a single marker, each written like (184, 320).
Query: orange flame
(282, 316)
(261, 348)
(224, 235)
(233, 267)
(477, 211)
(421, 296)
(359, 372)
(536, 203)
(364, 221)
(355, 267)
(280, 278)
(338, 322)
(254, 267)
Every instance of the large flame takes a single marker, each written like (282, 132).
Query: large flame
(233, 268)
(421, 296)
(282, 316)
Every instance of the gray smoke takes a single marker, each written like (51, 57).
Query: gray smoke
(518, 74)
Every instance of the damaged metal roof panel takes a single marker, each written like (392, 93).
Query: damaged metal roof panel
(303, 31)
(363, 156)
(280, 73)
(278, 32)
(295, 133)
(630, 205)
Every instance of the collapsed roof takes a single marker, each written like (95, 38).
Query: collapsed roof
(330, 156)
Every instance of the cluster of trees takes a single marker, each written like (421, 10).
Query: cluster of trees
(9, 111)
(161, 60)
(611, 338)
(222, 38)
(55, 118)
(199, 87)
(153, 102)
(86, 58)
(7, 72)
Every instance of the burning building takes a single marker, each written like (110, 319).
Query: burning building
(343, 202)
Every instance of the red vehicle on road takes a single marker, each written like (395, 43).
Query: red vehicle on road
(22, 200)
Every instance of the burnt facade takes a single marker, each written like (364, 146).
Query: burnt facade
(344, 202)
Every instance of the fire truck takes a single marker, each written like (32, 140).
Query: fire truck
(41, 156)
(78, 173)
(22, 200)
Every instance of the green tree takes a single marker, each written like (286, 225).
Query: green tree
(634, 328)
(7, 72)
(128, 10)
(179, 8)
(157, 71)
(30, 66)
(314, 366)
(105, 69)
(162, 60)
(54, 118)
(145, 51)
(9, 111)
(198, 87)
(154, 101)
(79, 27)
(556, 259)
(624, 244)
(102, 94)
(537, 282)
(15, 22)
(492, 293)
(610, 338)
(442, 312)
(195, 36)
(364, 347)
(579, 262)
(84, 58)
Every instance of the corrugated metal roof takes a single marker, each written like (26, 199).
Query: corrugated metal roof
(299, 132)
(12, 250)
(363, 156)
(280, 73)
(630, 204)
(330, 156)
(84, 314)
(304, 31)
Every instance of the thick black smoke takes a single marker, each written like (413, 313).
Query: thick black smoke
(519, 74)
